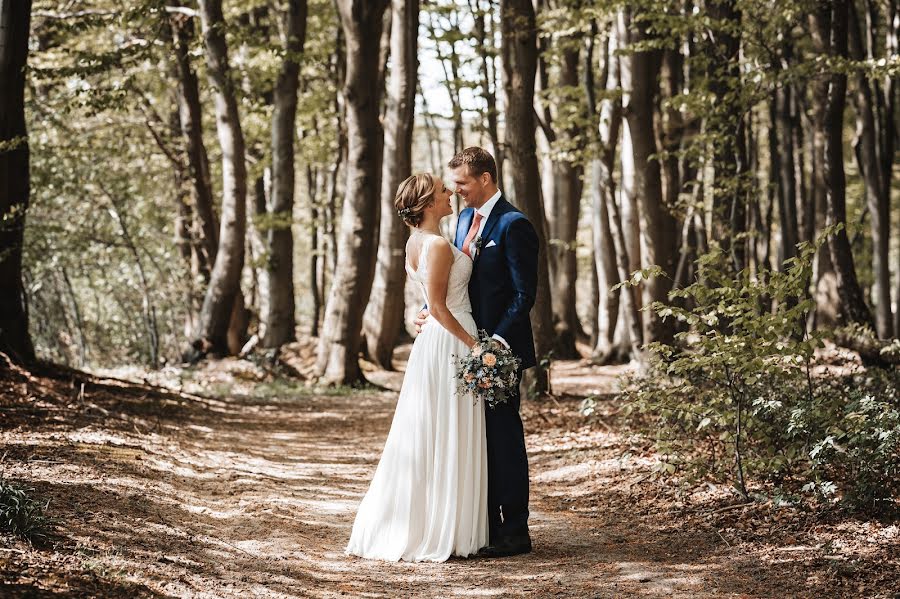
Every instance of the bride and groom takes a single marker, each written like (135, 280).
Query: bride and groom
(453, 476)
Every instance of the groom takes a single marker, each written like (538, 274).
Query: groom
(504, 247)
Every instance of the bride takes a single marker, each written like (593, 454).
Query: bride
(428, 498)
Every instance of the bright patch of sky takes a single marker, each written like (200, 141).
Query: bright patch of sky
(453, 17)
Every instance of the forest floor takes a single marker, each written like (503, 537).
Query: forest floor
(232, 484)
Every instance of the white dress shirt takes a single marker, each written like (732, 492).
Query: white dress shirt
(485, 212)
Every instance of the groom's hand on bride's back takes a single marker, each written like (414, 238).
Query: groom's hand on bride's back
(420, 319)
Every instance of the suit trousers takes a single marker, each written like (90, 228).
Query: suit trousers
(507, 469)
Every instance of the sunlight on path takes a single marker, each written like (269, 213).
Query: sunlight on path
(247, 498)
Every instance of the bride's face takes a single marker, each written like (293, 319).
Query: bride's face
(442, 205)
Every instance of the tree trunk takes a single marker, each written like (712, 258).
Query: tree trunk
(338, 354)
(629, 218)
(825, 286)
(889, 131)
(671, 124)
(260, 275)
(482, 45)
(383, 319)
(313, 176)
(727, 122)
(278, 317)
(876, 188)
(562, 199)
(183, 237)
(831, 24)
(806, 208)
(603, 192)
(224, 285)
(205, 237)
(519, 51)
(660, 227)
(782, 129)
(15, 182)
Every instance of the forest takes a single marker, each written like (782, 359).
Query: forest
(205, 314)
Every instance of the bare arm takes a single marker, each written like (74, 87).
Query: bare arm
(440, 259)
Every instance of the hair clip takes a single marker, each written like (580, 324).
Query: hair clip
(404, 212)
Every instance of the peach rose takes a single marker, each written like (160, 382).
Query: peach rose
(469, 377)
(477, 350)
(489, 360)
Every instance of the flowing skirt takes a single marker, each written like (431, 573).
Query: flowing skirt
(428, 498)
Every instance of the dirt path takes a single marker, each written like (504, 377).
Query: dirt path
(242, 497)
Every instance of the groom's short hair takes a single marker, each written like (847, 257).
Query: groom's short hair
(478, 160)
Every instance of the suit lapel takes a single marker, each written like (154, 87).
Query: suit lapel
(500, 208)
(462, 227)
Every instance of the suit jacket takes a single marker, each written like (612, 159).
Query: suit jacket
(504, 278)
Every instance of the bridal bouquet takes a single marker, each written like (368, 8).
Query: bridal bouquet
(488, 372)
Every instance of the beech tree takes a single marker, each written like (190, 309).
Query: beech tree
(15, 180)
(829, 21)
(519, 52)
(223, 297)
(384, 314)
(561, 122)
(278, 316)
(640, 70)
(338, 352)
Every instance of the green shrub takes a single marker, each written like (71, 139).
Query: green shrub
(735, 395)
(21, 514)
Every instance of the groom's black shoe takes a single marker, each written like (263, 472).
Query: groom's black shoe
(507, 546)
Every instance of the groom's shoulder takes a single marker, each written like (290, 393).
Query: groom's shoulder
(512, 214)
(509, 209)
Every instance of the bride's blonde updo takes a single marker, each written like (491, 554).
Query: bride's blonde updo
(414, 195)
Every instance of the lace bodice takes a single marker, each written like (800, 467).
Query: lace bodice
(460, 272)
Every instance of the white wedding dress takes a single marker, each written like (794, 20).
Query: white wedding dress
(428, 498)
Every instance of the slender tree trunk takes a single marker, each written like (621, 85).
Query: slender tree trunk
(183, 232)
(260, 274)
(15, 181)
(224, 286)
(806, 209)
(313, 175)
(562, 207)
(627, 216)
(383, 318)
(783, 166)
(148, 308)
(486, 65)
(876, 189)
(278, 317)
(729, 156)
(338, 355)
(205, 235)
(831, 24)
(519, 51)
(890, 130)
(79, 321)
(660, 227)
(672, 125)
(432, 133)
(603, 192)
(825, 283)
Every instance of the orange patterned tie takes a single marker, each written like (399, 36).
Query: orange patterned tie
(473, 231)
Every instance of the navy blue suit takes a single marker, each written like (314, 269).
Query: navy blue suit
(502, 291)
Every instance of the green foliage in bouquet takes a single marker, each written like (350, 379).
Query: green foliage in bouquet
(489, 372)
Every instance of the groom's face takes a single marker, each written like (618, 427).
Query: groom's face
(471, 189)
